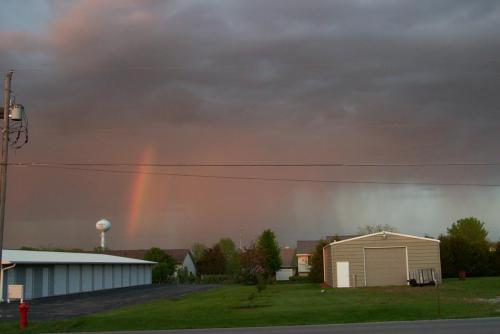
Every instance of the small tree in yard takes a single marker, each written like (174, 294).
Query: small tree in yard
(165, 267)
(269, 249)
(316, 274)
(251, 264)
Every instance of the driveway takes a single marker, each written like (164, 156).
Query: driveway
(64, 307)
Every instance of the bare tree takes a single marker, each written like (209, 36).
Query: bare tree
(369, 229)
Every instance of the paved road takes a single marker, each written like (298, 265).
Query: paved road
(463, 326)
(64, 307)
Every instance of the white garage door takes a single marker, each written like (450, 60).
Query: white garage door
(284, 274)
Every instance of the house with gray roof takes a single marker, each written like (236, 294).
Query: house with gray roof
(183, 257)
(288, 264)
(305, 250)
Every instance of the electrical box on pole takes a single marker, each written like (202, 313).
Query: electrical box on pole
(16, 112)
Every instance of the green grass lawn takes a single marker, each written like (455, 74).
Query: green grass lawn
(291, 304)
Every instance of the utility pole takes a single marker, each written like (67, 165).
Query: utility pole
(5, 155)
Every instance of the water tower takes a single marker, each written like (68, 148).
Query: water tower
(102, 227)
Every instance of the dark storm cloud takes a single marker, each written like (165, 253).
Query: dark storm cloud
(250, 81)
(349, 60)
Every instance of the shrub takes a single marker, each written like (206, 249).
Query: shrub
(161, 273)
(316, 274)
(300, 279)
(212, 262)
(459, 254)
(184, 276)
(261, 282)
(164, 269)
(251, 261)
(216, 279)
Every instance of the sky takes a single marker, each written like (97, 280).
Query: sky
(250, 82)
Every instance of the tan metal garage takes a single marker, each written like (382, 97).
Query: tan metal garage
(383, 258)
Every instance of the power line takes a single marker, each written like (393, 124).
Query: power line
(257, 178)
(199, 67)
(312, 164)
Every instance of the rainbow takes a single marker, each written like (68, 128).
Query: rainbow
(137, 192)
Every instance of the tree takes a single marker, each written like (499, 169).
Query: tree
(53, 249)
(165, 266)
(269, 250)
(471, 229)
(212, 262)
(456, 256)
(370, 229)
(161, 273)
(251, 264)
(316, 274)
(185, 276)
(99, 250)
(197, 251)
(155, 254)
(231, 255)
(495, 259)
(466, 248)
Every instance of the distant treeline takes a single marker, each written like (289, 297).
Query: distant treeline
(53, 249)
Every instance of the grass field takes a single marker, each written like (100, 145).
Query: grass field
(292, 304)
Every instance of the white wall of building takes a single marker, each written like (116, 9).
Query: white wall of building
(284, 274)
(189, 264)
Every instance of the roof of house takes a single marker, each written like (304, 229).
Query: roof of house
(287, 255)
(24, 256)
(177, 254)
(308, 246)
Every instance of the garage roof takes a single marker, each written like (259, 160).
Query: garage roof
(381, 233)
(23, 256)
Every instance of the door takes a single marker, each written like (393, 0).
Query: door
(38, 282)
(343, 275)
(385, 266)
